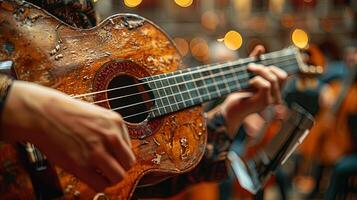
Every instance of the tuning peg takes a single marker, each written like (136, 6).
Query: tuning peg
(319, 69)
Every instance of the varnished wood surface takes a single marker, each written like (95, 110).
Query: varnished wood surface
(50, 53)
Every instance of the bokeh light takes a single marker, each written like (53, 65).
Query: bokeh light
(199, 49)
(300, 38)
(182, 46)
(233, 40)
(132, 3)
(184, 3)
(209, 20)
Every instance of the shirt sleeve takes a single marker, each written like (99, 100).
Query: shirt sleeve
(212, 167)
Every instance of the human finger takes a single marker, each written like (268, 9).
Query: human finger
(90, 176)
(267, 74)
(263, 88)
(257, 51)
(107, 166)
(281, 74)
(117, 145)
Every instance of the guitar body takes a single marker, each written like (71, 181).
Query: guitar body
(48, 52)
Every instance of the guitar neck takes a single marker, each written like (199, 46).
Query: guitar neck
(185, 88)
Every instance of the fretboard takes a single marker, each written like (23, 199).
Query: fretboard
(185, 88)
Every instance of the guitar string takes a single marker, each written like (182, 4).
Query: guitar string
(265, 57)
(168, 105)
(173, 94)
(192, 80)
(202, 68)
(188, 81)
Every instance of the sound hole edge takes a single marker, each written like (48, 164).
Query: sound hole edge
(130, 97)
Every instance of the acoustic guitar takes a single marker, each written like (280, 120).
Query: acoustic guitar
(126, 64)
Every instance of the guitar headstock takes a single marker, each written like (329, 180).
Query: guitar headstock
(311, 65)
(308, 64)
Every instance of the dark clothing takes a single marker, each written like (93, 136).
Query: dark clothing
(340, 184)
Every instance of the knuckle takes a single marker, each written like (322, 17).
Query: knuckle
(115, 116)
(266, 85)
(119, 177)
(96, 152)
(112, 137)
(273, 79)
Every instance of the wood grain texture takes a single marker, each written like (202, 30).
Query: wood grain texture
(49, 52)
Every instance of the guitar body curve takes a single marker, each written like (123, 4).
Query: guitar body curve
(75, 61)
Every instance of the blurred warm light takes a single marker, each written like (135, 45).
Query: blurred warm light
(209, 20)
(276, 6)
(300, 38)
(243, 7)
(233, 40)
(287, 21)
(257, 23)
(132, 3)
(182, 46)
(327, 25)
(199, 49)
(220, 53)
(184, 3)
(255, 42)
(95, 1)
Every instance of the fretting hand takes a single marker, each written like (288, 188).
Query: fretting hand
(86, 140)
(266, 87)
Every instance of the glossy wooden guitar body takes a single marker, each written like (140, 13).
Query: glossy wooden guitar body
(48, 52)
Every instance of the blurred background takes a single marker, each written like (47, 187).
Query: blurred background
(209, 31)
(203, 24)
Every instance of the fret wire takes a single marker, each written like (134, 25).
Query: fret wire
(173, 96)
(152, 110)
(224, 78)
(231, 70)
(199, 83)
(183, 84)
(165, 96)
(214, 81)
(238, 70)
(158, 91)
(194, 92)
(194, 82)
(178, 89)
(189, 94)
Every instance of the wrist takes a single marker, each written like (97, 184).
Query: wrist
(233, 118)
